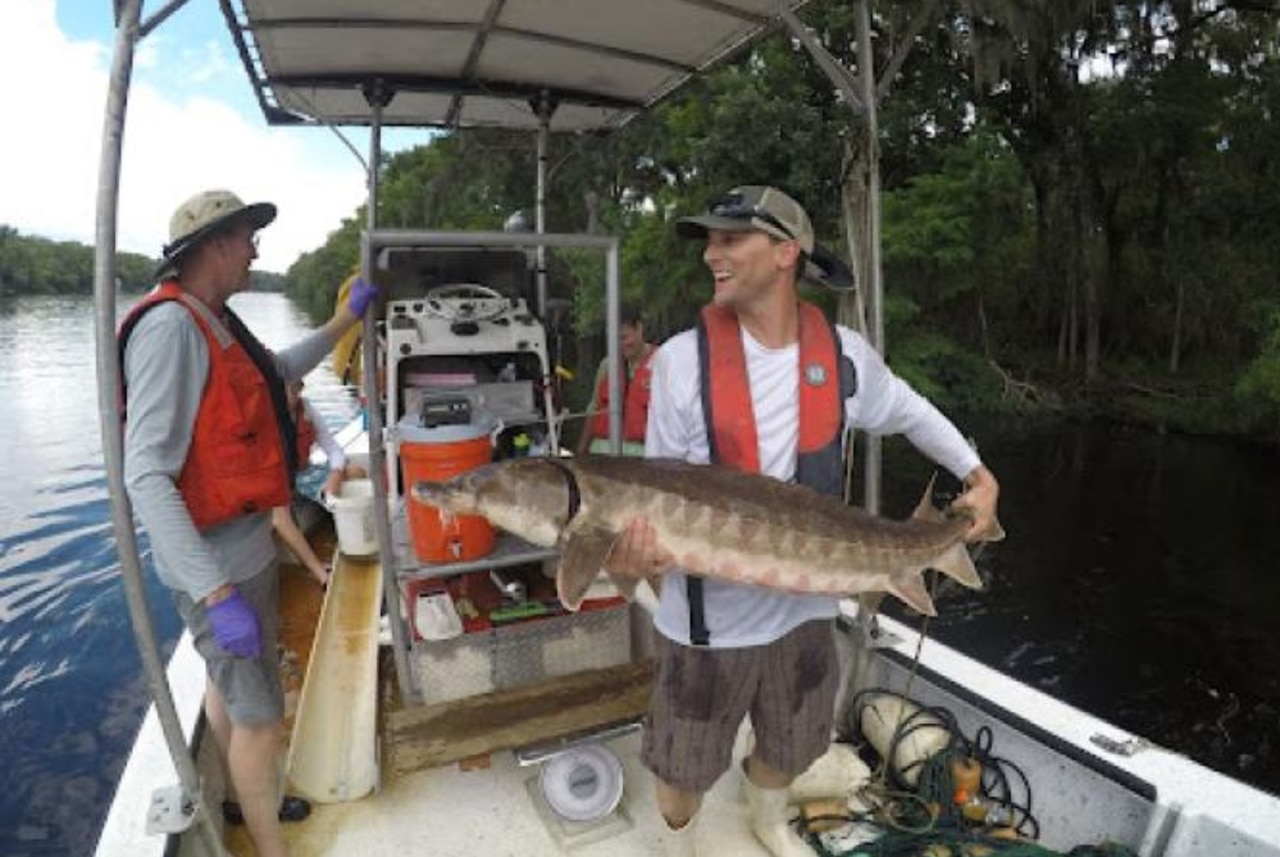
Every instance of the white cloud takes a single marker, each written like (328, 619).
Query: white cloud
(53, 102)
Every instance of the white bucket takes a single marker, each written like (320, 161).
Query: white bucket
(352, 509)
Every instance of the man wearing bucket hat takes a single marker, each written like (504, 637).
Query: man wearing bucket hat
(209, 451)
(766, 384)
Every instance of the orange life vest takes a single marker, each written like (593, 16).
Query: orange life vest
(237, 462)
(306, 436)
(826, 381)
(635, 401)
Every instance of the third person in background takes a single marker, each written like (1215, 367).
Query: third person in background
(637, 354)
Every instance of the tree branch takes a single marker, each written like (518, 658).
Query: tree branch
(919, 21)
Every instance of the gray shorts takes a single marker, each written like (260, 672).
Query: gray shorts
(700, 696)
(250, 687)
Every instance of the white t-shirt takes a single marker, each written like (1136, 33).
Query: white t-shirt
(740, 615)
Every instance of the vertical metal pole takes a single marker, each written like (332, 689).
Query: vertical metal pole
(863, 103)
(108, 366)
(540, 203)
(612, 313)
(378, 98)
(544, 111)
(875, 288)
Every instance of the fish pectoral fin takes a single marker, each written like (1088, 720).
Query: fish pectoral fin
(956, 564)
(582, 556)
(909, 586)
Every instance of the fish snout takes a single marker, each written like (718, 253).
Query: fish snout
(436, 494)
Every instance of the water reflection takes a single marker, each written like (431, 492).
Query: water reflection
(71, 691)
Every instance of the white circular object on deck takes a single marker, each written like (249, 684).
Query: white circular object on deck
(583, 783)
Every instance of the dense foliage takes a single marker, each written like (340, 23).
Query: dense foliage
(30, 265)
(1077, 198)
(38, 266)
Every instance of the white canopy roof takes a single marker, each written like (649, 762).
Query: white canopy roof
(464, 63)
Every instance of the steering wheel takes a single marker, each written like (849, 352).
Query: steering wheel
(465, 302)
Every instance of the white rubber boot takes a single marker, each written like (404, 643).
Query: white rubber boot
(679, 843)
(836, 774)
(769, 821)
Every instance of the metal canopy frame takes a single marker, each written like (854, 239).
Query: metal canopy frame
(470, 94)
(461, 63)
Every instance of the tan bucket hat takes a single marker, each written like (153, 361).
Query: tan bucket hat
(204, 214)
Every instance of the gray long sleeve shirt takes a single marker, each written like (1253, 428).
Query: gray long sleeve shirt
(165, 366)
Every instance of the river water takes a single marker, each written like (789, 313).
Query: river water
(72, 694)
(1139, 580)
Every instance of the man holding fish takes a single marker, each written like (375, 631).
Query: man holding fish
(763, 384)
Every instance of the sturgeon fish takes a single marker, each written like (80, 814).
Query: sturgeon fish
(716, 521)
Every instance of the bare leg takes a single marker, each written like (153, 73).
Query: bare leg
(678, 809)
(215, 713)
(677, 806)
(252, 761)
(764, 776)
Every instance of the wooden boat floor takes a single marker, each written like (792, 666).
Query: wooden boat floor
(421, 737)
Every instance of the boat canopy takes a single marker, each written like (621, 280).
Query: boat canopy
(590, 65)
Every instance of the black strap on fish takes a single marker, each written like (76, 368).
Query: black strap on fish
(819, 468)
(699, 634)
(570, 482)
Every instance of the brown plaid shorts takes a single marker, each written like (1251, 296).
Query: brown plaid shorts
(700, 696)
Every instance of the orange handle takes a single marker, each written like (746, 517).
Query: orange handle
(967, 774)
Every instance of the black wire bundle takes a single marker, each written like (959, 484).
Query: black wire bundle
(935, 785)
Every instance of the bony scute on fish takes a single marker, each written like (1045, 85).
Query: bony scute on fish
(716, 522)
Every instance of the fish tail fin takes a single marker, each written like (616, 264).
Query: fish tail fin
(909, 586)
(956, 564)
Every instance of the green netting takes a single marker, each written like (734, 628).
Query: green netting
(927, 822)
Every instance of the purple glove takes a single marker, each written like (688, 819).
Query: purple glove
(361, 295)
(235, 626)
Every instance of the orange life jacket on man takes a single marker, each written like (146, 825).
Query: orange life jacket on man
(239, 461)
(827, 379)
(635, 401)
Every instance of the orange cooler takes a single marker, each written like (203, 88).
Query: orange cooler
(438, 454)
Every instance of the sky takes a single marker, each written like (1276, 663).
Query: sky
(193, 124)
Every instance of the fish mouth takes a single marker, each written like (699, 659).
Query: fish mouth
(447, 496)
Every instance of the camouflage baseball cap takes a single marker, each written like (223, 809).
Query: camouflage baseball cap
(766, 209)
(204, 214)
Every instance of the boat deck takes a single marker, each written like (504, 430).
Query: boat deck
(480, 800)
(497, 810)
(450, 788)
